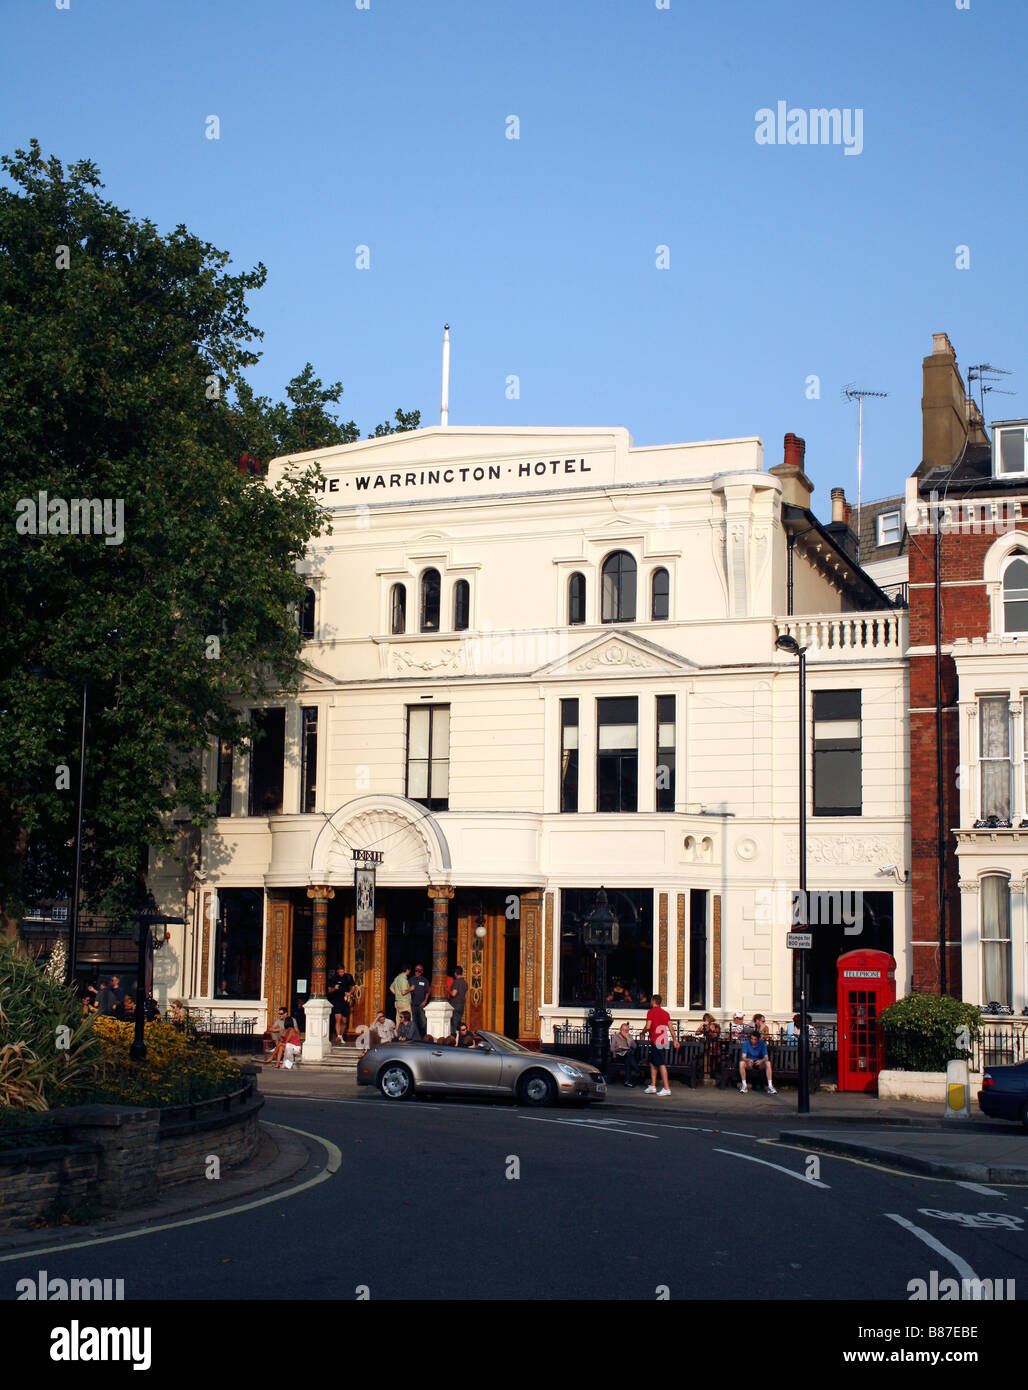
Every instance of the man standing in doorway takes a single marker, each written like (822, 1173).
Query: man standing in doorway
(421, 993)
(458, 994)
(340, 994)
(400, 990)
(658, 1029)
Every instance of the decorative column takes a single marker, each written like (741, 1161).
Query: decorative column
(317, 1010)
(279, 953)
(970, 936)
(439, 1010)
(531, 945)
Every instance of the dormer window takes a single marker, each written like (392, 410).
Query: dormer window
(1009, 453)
(889, 528)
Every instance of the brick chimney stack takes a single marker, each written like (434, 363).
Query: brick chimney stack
(839, 526)
(796, 486)
(943, 405)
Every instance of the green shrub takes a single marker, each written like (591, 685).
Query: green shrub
(925, 1031)
(41, 1064)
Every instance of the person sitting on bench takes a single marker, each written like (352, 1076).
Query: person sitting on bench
(621, 1050)
(753, 1058)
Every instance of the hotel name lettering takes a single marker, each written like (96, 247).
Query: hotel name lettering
(510, 474)
(368, 856)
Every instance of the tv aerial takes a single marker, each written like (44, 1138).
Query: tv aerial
(857, 393)
(986, 375)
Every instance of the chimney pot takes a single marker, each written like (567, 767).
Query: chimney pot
(795, 449)
(839, 507)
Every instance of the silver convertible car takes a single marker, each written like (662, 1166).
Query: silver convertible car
(495, 1066)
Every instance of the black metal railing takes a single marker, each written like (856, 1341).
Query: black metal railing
(999, 1045)
(230, 1033)
(572, 1040)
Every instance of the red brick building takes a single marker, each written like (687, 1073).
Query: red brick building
(967, 525)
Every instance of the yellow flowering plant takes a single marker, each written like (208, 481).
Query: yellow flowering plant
(180, 1068)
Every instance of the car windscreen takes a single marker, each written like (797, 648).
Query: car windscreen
(501, 1043)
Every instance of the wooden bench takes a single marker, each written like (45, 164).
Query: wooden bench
(785, 1063)
(685, 1060)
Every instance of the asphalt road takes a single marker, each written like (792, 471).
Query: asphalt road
(457, 1200)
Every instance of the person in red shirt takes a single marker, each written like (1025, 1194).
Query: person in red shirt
(658, 1030)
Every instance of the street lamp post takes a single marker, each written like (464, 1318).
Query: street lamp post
(600, 935)
(789, 644)
(153, 927)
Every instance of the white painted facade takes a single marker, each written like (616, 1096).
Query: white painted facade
(515, 513)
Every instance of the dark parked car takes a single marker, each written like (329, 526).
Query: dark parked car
(1004, 1093)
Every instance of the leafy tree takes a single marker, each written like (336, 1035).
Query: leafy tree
(120, 346)
(405, 420)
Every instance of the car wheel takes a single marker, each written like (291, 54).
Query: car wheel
(396, 1082)
(537, 1088)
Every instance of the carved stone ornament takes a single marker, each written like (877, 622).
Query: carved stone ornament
(614, 655)
(447, 661)
(846, 849)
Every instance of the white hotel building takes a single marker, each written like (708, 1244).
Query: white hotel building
(542, 661)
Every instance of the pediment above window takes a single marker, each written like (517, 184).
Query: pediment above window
(621, 653)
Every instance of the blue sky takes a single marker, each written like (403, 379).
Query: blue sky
(386, 127)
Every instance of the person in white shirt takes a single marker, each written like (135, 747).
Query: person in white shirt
(384, 1028)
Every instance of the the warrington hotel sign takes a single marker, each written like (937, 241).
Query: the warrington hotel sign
(455, 479)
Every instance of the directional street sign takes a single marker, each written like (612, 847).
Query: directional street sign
(800, 940)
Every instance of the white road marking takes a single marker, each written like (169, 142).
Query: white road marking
(980, 1187)
(335, 1158)
(800, 1177)
(586, 1124)
(961, 1266)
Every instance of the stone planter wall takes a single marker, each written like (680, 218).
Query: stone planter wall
(115, 1157)
(921, 1085)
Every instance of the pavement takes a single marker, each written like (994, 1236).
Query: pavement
(282, 1155)
(910, 1136)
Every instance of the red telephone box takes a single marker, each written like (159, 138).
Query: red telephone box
(867, 985)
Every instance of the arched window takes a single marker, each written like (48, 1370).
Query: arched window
(576, 600)
(461, 605)
(660, 605)
(307, 614)
(996, 945)
(430, 588)
(398, 608)
(1015, 595)
(618, 588)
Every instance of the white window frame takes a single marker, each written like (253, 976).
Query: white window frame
(1007, 564)
(983, 758)
(882, 518)
(999, 429)
(1007, 940)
